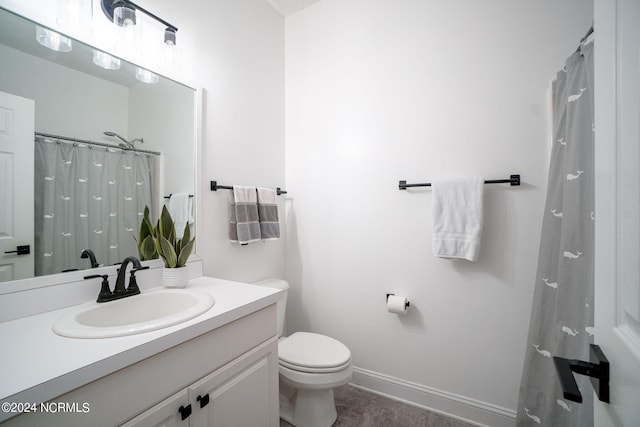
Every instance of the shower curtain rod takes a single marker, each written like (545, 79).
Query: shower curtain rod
(513, 180)
(101, 144)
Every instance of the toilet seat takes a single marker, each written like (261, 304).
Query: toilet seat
(313, 353)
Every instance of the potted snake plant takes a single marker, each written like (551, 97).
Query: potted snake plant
(174, 251)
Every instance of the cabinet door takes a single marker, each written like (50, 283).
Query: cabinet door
(165, 414)
(240, 394)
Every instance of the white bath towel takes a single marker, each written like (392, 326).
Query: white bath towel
(268, 213)
(457, 217)
(244, 225)
(181, 209)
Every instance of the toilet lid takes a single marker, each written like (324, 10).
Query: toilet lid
(309, 350)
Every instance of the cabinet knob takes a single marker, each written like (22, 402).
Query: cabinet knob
(185, 412)
(204, 400)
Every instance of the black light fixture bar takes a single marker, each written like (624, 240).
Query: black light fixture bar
(109, 5)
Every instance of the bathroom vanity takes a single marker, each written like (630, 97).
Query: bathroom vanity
(204, 372)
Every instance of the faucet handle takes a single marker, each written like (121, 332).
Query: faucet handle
(133, 288)
(105, 290)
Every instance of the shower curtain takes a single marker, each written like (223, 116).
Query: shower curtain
(87, 197)
(562, 313)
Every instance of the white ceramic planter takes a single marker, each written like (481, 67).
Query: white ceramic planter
(175, 277)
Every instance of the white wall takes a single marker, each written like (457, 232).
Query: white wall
(378, 91)
(235, 51)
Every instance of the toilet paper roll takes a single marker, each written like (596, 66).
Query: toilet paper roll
(397, 304)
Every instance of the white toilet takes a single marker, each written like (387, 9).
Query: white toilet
(311, 366)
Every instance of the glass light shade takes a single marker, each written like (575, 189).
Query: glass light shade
(170, 37)
(146, 76)
(53, 40)
(124, 16)
(105, 60)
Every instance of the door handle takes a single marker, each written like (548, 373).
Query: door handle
(597, 369)
(20, 250)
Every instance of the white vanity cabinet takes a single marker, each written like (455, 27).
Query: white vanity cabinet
(238, 394)
(233, 366)
(167, 413)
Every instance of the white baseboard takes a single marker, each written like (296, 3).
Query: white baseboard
(453, 405)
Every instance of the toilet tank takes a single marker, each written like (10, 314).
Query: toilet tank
(273, 282)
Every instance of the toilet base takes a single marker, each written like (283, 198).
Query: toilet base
(307, 408)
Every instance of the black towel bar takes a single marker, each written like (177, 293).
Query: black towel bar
(215, 187)
(169, 196)
(513, 180)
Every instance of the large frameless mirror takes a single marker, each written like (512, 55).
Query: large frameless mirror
(87, 141)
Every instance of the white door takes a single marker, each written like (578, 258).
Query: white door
(16, 186)
(617, 153)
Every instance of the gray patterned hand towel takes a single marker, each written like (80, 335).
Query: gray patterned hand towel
(268, 214)
(244, 225)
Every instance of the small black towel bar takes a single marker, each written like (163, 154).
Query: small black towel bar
(169, 196)
(215, 187)
(513, 180)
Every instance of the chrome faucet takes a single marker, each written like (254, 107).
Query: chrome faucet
(119, 290)
(88, 253)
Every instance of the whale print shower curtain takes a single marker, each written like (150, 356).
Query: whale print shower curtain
(562, 312)
(87, 197)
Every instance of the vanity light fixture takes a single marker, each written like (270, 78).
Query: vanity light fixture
(123, 14)
(53, 40)
(105, 60)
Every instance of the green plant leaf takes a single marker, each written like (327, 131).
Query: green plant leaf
(184, 254)
(186, 235)
(166, 226)
(147, 249)
(168, 253)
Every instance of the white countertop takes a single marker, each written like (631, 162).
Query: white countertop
(37, 365)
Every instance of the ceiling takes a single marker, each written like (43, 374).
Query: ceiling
(287, 7)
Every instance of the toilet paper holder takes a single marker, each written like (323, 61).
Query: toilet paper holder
(406, 305)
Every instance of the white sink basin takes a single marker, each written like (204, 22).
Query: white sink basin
(151, 310)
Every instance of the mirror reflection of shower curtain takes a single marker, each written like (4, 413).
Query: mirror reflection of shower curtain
(562, 312)
(88, 197)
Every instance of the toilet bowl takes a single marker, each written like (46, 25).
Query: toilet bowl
(311, 366)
